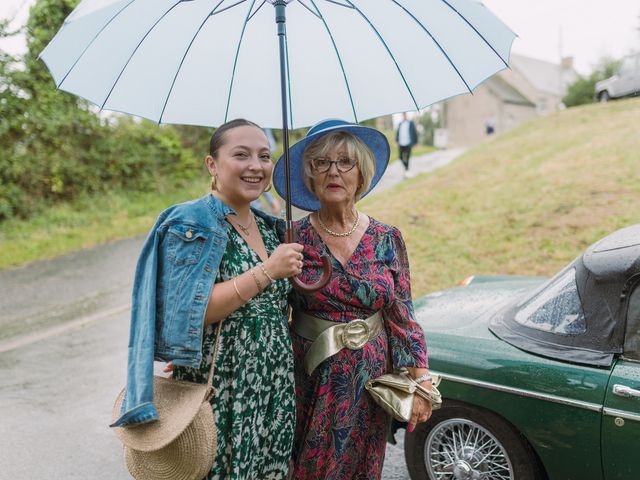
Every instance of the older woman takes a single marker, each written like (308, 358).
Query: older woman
(340, 431)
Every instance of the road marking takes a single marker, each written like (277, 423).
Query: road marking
(28, 339)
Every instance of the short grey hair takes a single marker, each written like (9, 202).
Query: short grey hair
(355, 148)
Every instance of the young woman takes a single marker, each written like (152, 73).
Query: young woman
(215, 259)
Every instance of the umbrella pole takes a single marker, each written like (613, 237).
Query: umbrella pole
(280, 6)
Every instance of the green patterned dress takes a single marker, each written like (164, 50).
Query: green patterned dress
(254, 407)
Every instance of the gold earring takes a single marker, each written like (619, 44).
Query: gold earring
(214, 182)
(268, 187)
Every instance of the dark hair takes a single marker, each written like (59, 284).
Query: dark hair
(218, 140)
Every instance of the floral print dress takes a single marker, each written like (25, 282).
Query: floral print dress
(340, 431)
(254, 403)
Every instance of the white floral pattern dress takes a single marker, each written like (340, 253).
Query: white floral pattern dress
(254, 407)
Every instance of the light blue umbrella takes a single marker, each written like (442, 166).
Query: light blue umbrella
(203, 62)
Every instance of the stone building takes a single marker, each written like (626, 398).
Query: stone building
(530, 88)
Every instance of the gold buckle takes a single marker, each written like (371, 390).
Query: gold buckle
(355, 334)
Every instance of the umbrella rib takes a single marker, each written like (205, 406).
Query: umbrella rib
(136, 50)
(257, 9)
(307, 7)
(235, 61)
(186, 52)
(340, 4)
(91, 42)
(226, 8)
(388, 51)
(477, 32)
(453, 65)
(335, 48)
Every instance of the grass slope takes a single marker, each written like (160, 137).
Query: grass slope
(525, 202)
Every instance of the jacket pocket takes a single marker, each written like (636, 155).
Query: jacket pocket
(185, 244)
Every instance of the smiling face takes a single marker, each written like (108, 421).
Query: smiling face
(242, 165)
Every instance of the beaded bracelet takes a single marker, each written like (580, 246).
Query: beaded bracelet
(235, 285)
(255, 278)
(265, 271)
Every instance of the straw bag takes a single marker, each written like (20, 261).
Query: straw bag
(182, 443)
(394, 392)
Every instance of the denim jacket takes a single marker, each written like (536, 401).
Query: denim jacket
(174, 276)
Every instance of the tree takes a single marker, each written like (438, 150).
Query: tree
(55, 147)
(582, 90)
(428, 128)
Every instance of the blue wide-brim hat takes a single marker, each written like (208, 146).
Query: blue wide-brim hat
(301, 197)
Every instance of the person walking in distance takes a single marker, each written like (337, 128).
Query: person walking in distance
(406, 138)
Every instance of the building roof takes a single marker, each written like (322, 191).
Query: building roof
(505, 92)
(545, 76)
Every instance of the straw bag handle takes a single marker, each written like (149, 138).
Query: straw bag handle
(213, 360)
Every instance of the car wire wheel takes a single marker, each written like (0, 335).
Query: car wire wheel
(460, 449)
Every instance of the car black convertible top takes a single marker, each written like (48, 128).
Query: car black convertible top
(579, 314)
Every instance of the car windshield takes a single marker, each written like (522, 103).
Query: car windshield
(555, 307)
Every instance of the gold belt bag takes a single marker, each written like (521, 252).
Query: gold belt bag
(331, 337)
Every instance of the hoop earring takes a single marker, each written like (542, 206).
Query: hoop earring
(268, 188)
(214, 182)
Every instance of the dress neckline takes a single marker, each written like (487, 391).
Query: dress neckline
(259, 223)
(328, 251)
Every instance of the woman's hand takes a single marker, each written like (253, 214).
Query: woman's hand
(286, 261)
(421, 409)
(168, 368)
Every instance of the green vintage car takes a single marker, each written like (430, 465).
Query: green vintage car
(541, 377)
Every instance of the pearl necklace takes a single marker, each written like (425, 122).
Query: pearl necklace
(336, 234)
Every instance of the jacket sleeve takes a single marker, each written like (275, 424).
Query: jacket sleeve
(137, 406)
(406, 338)
(413, 133)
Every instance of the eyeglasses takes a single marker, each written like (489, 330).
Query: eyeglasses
(323, 165)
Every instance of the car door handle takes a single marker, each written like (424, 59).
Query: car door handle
(624, 391)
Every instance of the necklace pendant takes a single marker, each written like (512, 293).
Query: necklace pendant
(244, 229)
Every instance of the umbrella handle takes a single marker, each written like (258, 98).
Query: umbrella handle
(327, 270)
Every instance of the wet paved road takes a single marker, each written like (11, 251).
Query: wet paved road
(56, 397)
(63, 337)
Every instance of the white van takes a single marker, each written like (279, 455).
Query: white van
(625, 82)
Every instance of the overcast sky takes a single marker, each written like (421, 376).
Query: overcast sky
(584, 29)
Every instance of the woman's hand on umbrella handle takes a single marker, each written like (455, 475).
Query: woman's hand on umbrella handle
(327, 270)
(285, 261)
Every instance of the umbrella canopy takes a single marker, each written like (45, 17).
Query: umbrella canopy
(203, 62)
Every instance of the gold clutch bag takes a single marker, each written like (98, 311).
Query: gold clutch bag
(394, 392)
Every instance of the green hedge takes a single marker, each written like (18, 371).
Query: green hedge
(54, 147)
